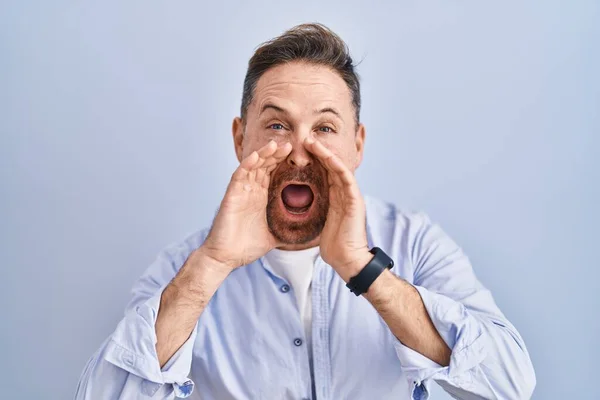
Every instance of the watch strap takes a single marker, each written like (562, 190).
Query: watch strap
(360, 283)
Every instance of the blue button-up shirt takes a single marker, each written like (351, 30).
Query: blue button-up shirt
(249, 341)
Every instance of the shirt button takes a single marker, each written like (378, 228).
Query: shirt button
(298, 342)
(128, 359)
(284, 288)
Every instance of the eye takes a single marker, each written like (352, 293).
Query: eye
(276, 127)
(326, 129)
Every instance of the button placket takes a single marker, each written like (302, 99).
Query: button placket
(320, 344)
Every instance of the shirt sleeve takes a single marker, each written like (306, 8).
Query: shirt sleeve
(489, 359)
(127, 365)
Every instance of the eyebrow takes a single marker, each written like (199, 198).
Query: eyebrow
(328, 110)
(325, 110)
(273, 107)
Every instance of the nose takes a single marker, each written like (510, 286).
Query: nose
(299, 157)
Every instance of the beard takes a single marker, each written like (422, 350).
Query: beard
(290, 230)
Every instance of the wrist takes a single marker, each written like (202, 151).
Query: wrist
(205, 259)
(370, 271)
(196, 281)
(352, 268)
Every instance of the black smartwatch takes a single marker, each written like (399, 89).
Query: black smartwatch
(360, 283)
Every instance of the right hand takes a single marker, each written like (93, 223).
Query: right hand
(240, 234)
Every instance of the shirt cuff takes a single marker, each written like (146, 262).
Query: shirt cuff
(463, 334)
(132, 347)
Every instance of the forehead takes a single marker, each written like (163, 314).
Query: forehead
(301, 86)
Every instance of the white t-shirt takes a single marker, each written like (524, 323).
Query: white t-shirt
(296, 267)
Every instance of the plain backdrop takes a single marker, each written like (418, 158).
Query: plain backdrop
(115, 142)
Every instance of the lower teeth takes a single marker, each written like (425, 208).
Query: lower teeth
(297, 210)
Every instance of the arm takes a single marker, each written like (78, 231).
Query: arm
(489, 358)
(448, 326)
(127, 363)
(150, 352)
(183, 300)
(401, 307)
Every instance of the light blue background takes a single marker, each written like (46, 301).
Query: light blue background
(115, 141)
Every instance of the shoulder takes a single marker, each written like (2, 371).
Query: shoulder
(172, 257)
(177, 252)
(400, 232)
(385, 215)
(165, 266)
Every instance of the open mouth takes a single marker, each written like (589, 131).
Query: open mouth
(297, 198)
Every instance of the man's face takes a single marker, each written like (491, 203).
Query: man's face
(292, 102)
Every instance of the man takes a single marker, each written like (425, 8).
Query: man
(302, 288)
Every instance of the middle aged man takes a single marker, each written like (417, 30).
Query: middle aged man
(302, 288)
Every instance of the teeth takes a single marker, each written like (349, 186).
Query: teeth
(298, 212)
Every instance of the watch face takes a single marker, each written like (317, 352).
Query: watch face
(383, 258)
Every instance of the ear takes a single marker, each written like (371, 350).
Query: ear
(359, 141)
(237, 129)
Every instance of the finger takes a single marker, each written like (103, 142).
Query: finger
(330, 161)
(266, 152)
(334, 179)
(252, 175)
(283, 151)
(321, 152)
(268, 149)
(346, 176)
(266, 180)
(277, 157)
(271, 168)
(247, 164)
(260, 175)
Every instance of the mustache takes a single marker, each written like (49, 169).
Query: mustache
(310, 175)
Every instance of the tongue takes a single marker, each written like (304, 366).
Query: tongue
(297, 196)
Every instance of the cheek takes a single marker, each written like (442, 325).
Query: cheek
(252, 143)
(345, 150)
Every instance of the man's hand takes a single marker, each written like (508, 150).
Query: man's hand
(344, 238)
(240, 233)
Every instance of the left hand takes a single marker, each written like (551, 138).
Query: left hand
(344, 237)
